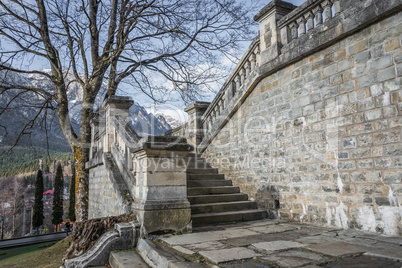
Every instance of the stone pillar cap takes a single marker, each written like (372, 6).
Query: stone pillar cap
(122, 101)
(271, 5)
(197, 105)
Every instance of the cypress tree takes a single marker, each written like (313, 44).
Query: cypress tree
(71, 202)
(57, 215)
(37, 218)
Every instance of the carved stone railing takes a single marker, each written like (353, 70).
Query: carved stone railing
(311, 14)
(240, 78)
(152, 168)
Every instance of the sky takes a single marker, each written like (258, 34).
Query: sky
(175, 109)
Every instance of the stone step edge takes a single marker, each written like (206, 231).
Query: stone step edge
(215, 195)
(157, 258)
(222, 203)
(227, 213)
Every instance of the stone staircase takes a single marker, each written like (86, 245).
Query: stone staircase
(215, 200)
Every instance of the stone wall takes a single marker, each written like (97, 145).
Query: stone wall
(103, 199)
(320, 140)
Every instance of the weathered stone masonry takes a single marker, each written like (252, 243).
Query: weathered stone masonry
(313, 131)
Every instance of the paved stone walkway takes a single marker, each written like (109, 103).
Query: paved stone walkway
(282, 244)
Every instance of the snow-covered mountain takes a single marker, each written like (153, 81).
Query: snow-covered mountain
(23, 110)
(168, 121)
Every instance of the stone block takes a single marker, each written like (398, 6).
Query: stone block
(230, 254)
(386, 74)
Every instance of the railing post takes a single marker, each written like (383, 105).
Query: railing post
(114, 106)
(195, 111)
(270, 34)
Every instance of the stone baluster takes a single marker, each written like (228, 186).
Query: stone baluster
(327, 9)
(242, 72)
(309, 16)
(318, 15)
(237, 81)
(257, 55)
(302, 25)
(248, 68)
(252, 62)
(293, 30)
(222, 105)
(337, 7)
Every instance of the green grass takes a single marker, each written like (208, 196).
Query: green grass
(17, 252)
(47, 255)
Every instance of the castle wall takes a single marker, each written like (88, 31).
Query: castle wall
(320, 140)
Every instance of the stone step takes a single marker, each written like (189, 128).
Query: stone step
(222, 207)
(202, 171)
(226, 217)
(193, 165)
(205, 177)
(163, 257)
(216, 198)
(213, 190)
(194, 155)
(208, 183)
(126, 259)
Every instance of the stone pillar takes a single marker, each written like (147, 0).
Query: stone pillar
(318, 15)
(195, 111)
(114, 106)
(269, 32)
(160, 191)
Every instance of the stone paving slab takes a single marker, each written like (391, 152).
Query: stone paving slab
(279, 228)
(386, 250)
(296, 258)
(248, 240)
(319, 239)
(183, 250)
(229, 254)
(213, 245)
(277, 245)
(364, 262)
(338, 249)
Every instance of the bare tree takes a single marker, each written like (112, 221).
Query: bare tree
(111, 42)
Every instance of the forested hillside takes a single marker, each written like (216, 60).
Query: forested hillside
(24, 160)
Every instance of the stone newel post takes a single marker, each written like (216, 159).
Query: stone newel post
(269, 32)
(195, 111)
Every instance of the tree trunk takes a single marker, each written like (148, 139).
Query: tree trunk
(81, 183)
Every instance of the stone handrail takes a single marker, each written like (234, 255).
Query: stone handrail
(240, 77)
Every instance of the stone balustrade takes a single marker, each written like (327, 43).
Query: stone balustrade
(240, 78)
(306, 17)
(143, 174)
